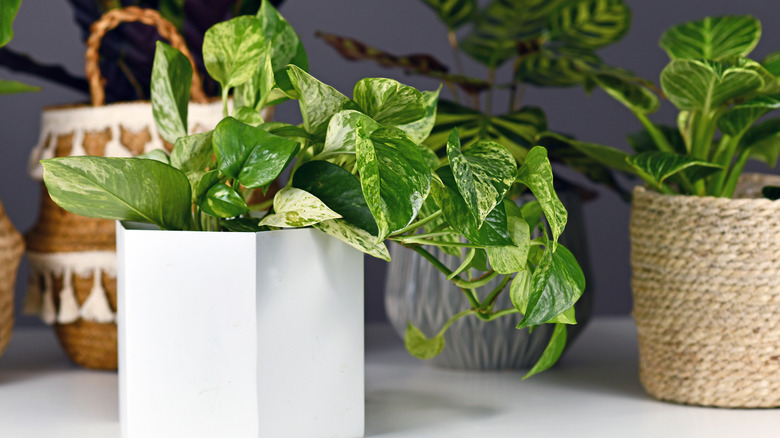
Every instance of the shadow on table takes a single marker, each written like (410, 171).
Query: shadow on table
(402, 410)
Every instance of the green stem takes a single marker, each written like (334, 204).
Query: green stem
(726, 150)
(225, 94)
(490, 300)
(501, 313)
(418, 241)
(452, 319)
(657, 136)
(418, 224)
(734, 174)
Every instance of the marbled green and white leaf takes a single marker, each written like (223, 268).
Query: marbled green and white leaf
(511, 258)
(704, 85)
(318, 101)
(388, 101)
(340, 136)
(201, 181)
(355, 237)
(484, 172)
(120, 189)
(590, 24)
(419, 130)
(536, 174)
(233, 49)
(712, 38)
(193, 152)
(170, 89)
(294, 208)
(156, 155)
(394, 177)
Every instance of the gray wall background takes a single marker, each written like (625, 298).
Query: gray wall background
(399, 26)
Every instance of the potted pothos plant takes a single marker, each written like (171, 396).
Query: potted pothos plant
(358, 175)
(548, 44)
(702, 253)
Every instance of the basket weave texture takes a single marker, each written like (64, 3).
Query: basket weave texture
(11, 249)
(706, 286)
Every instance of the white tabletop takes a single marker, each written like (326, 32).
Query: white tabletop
(594, 392)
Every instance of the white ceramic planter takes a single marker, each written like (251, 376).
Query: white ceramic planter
(239, 334)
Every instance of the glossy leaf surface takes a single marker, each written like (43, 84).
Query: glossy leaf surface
(232, 50)
(170, 87)
(318, 101)
(389, 102)
(355, 237)
(419, 130)
(222, 201)
(193, 152)
(511, 258)
(536, 174)
(295, 208)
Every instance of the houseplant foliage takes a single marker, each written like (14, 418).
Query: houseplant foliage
(8, 10)
(548, 44)
(722, 97)
(358, 172)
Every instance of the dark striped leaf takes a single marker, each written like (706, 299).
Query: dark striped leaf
(590, 24)
(772, 63)
(742, 115)
(712, 38)
(556, 66)
(705, 85)
(627, 89)
(454, 13)
(763, 142)
(642, 141)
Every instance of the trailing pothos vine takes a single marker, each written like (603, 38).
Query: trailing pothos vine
(357, 171)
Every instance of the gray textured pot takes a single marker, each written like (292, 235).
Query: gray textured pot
(416, 292)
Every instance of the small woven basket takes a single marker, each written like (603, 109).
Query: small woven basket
(11, 249)
(706, 285)
(73, 258)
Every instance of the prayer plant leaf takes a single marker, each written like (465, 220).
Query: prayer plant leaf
(295, 208)
(419, 130)
(552, 352)
(772, 63)
(318, 101)
(393, 175)
(741, 116)
(511, 258)
(222, 201)
(642, 141)
(763, 142)
(355, 237)
(625, 88)
(193, 152)
(338, 189)
(590, 24)
(536, 174)
(454, 13)
(656, 167)
(389, 102)
(556, 66)
(120, 189)
(420, 346)
(494, 230)
(170, 88)
(556, 284)
(712, 38)
(692, 84)
(233, 49)
(484, 172)
(251, 155)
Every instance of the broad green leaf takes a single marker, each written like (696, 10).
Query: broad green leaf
(421, 347)
(222, 201)
(251, 155)
(625, 88)
(484, 173)
(772, 63)
(712, 38)
(567, 317)
(340, 136)
(555, 289)
(704, 85)
(13, 87)
(528, 285)
(318, 101)
(338, 189)
(590, 24)
(242, 224)
(454, 13)
(193, 152)
(763, 142)
(536, 174)
(286, 47)
(8, 10)
(511, 258)
(295, 208)
(741, 116)
(494, 230)
(285, 130)
(156, 155)
(170, 88)
(642, 141)
(771, 192)
(355, 237)
(248, 115)
(120, 189)
(551, 353)
(201, 181)
(656, 167)
(419, 130)
(233, 49)
(771, 85)
(393, 175)
(556, 66)
(389, 102)
(503, 24)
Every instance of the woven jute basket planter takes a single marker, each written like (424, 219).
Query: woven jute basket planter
(706, 285)
(73, 258)
(11, 249)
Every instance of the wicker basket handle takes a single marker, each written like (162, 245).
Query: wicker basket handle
(114, 18)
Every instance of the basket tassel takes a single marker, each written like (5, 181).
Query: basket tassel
(69, 306)
(34, 299)
(96, 308)
(48, 312)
